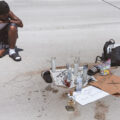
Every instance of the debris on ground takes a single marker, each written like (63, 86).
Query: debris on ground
(89, 84)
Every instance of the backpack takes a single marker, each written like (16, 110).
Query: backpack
(110, 51)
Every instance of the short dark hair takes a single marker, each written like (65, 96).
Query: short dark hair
(4, 8)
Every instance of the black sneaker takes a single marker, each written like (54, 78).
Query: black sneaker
(46, 76)
(93, 70)
(15, 57)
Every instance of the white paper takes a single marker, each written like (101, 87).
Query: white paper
(59, 74)
(88, 95)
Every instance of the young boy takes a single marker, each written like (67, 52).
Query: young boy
(8, 31)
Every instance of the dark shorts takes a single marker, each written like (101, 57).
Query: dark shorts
(4, 42)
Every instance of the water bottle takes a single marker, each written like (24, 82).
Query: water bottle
(53, 65)
(85, 69)
(69, 75)
(76, 65)
(79, 83)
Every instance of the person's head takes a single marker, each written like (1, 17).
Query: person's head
(4, 10)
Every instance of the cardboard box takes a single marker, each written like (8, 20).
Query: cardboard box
(109, 83)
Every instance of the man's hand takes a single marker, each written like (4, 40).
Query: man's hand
(15, 19)
(16, 22)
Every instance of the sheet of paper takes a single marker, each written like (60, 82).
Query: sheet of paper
(59, 75)
(88, 95)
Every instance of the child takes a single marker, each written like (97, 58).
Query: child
(8, 31)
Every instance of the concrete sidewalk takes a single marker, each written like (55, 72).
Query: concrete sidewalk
(63, 29)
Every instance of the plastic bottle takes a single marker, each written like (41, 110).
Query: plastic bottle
(69, 75)
(85, 69)
(79, 83)
(76, 65)
(53, 65)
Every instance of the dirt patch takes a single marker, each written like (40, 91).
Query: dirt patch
(30, 73)
(77, 110)
(39, 116)
(29, 99)
(45, 99)
(43, 91)
(37, 72)
(100, 111)
(76, 113)
(49, 88)
(64, 95)
(43, 109)
(55, 91)
(44, 95)
(36, 91)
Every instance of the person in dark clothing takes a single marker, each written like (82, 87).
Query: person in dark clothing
(8, 31)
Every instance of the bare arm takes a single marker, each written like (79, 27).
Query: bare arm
(15, 19)
(7, 21)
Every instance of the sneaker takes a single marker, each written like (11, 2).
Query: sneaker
(46, 76)
(15, 57)
(93, 70)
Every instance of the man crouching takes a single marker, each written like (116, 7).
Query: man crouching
(8, 31)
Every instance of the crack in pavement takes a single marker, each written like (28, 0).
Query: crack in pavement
(111, 4)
